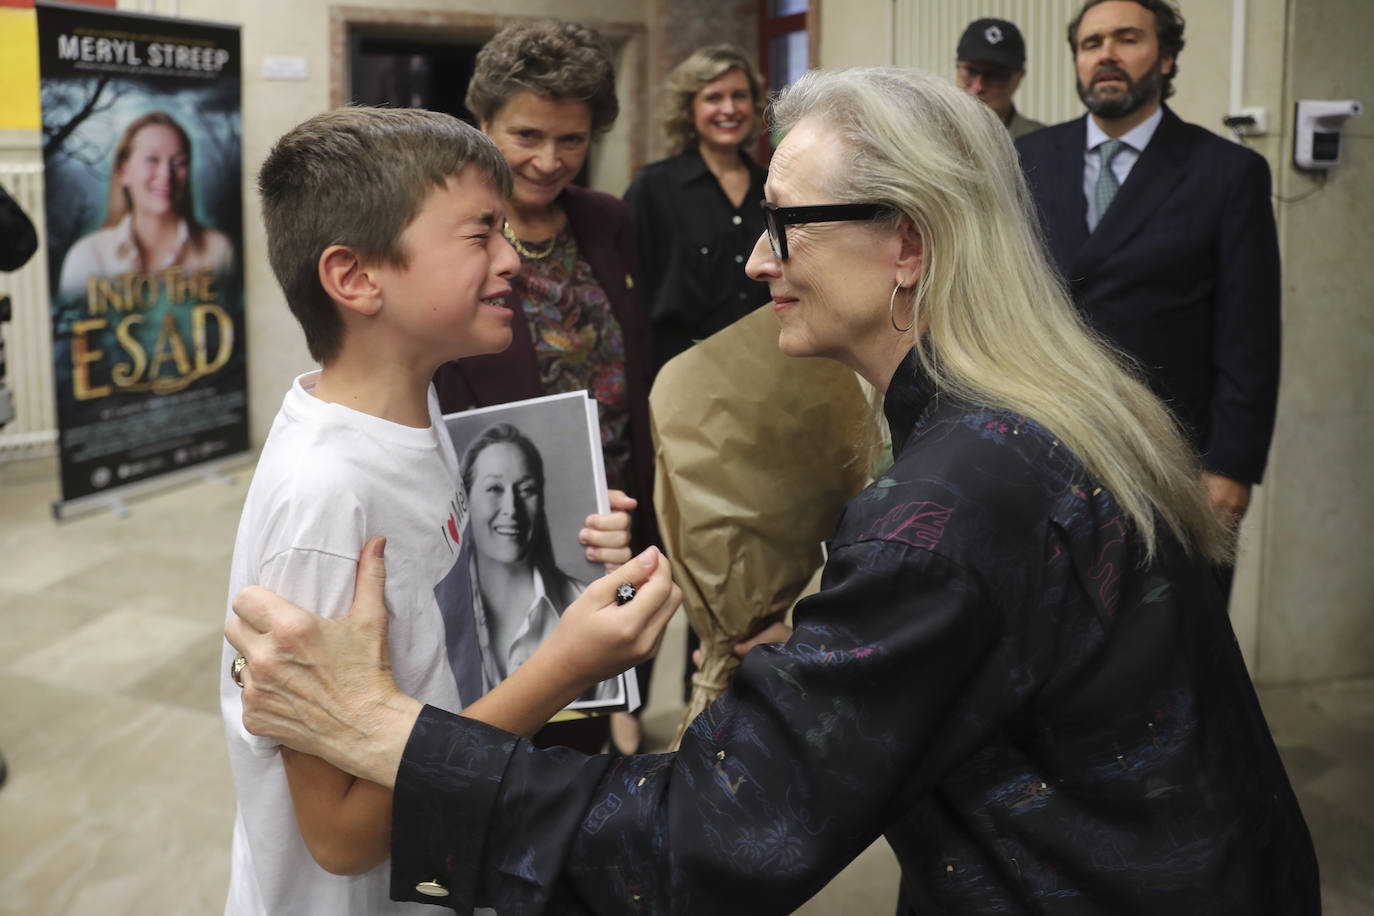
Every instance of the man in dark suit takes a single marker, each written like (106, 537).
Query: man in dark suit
(1165, 235)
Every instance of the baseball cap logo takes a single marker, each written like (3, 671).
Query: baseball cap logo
(993, 34)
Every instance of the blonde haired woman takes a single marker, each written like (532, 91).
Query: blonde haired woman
(697, 212)
(150, 222)
(1018, 668)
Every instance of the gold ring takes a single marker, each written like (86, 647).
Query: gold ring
(236, 669)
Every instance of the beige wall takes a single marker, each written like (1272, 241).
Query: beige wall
(856, 33)
(1315, 598)
(1303, 604)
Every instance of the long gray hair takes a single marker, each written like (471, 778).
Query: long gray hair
(1001, 327)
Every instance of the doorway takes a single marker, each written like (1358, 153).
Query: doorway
(405, 73)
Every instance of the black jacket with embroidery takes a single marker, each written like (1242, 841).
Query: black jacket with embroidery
(989, 676)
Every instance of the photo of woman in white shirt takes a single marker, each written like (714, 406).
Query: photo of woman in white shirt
(150, 222)
(519, 587)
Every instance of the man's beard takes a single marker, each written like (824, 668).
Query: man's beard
(1136, 95)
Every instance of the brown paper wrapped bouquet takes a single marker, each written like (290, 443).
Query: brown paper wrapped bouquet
(756, 454)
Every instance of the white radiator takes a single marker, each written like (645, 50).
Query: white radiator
(28, 335)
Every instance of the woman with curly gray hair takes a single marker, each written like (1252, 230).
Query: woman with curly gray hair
(697, 213)
(543, 90)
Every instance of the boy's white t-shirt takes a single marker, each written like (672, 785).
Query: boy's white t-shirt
(328, 479)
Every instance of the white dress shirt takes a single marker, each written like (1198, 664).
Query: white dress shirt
(1136, 139)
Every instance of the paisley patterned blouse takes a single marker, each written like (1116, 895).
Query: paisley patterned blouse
(991, 675)
(577, 342)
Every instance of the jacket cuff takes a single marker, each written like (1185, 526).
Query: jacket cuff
(446, 786)
(1234, 467)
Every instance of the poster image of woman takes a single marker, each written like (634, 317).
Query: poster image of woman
(143, 192)
(150, 221)
(519, 590)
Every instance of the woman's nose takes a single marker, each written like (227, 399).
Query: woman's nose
(762, 265)
(507, 503)
(546, 159)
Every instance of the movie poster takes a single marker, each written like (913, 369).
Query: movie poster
(142, 157)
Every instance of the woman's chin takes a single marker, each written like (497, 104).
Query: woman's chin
(154, 208)
(530, 196)
(504, 552)
(793, 342)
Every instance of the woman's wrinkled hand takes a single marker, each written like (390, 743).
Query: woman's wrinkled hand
(321, 686)
(773, 633)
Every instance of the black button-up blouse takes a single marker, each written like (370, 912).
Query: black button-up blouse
(692, 244)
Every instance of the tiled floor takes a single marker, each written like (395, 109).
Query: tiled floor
(119, 799)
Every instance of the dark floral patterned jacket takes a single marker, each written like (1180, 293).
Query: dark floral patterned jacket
(989, 676)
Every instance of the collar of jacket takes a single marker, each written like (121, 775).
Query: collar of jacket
(910, 398)
(688, 166)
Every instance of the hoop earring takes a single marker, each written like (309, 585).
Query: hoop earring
(891, 311)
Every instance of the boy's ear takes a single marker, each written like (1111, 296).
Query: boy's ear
(348, 282)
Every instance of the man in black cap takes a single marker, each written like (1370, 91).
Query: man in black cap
(992, 63)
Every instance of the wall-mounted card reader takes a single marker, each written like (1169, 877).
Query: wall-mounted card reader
(1317, 132)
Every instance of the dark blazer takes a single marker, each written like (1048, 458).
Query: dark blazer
(602, 227)
(1182, 273)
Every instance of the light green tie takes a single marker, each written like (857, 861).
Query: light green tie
(1107, 185)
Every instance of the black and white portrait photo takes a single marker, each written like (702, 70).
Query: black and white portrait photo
(532, 473)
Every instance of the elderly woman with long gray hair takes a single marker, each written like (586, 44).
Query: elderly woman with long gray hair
(1018, 668)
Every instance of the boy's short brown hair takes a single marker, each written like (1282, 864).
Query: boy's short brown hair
(357, 177)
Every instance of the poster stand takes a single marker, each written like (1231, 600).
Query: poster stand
(142, 151)
(117, 501)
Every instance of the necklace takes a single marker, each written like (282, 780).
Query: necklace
(534, 254)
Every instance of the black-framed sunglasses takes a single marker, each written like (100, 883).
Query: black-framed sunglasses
(777, 219)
